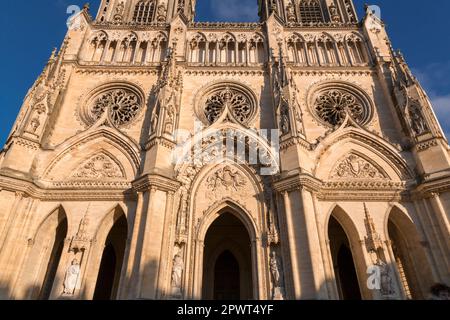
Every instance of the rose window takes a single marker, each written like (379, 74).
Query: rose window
(122, 105)
(231, 101)
(333, 106)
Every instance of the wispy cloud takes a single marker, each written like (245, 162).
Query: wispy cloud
(441, 106)
(234, 10)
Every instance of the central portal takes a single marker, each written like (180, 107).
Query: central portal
(227, 263)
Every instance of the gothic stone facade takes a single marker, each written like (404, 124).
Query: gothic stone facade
(94, 207)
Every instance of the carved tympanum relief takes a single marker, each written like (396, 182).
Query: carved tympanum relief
(100, 166)
(354, 166)
(224, 182)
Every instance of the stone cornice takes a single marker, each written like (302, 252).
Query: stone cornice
(295, 141)
(322, 26)
(250, 26)
(150, 181)
(130, 26)
(436, 185)
(346, 190)
(65, 193)
(160, 141)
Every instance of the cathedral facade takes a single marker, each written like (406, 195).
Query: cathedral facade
(157, 157)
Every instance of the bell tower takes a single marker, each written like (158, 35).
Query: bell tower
(309, 12)
(144, 12)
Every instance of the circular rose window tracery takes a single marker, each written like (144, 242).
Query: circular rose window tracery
(331, 105)
(122, 104)
(230, 99)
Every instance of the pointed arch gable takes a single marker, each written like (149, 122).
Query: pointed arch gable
(74, 150)
(345, 140)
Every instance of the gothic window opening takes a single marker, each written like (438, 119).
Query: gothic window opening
(144, 12)
(238, 105)
(332, 105)
(310, 11)
(123, 105)
(105, 10)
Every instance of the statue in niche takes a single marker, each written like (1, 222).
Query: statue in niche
(418, 122)
(71, 279)
(284, 121)
(291, 13)
(161, 13)
(386, 285)
(154, 121)
(275, 270)
(177, 273)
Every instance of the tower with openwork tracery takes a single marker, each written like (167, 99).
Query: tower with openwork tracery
(157, 157)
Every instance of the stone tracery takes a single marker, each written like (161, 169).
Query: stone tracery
(122, 105)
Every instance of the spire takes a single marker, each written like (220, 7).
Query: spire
(373, 239)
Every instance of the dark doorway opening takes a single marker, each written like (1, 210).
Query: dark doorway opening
(55, 257)
(343, 262)
(112, 259)
(227, 284)
(227, 264)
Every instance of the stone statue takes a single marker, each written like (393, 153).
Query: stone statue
(275, 270)
(72, 274)
(386, 286)
(177, 273)
(418, 122)
(154, 121)
(284, 121)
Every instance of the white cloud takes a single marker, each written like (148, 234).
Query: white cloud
(441, 106)
(235, 10)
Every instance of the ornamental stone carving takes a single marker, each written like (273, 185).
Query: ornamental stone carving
(227, 102)
(226, 178)
(332, 107)
(226, 182)
(235, 102)
(123, 105)
(355, 167)
(418, 122)
(100, 166)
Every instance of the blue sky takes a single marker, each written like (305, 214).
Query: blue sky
(30, 29)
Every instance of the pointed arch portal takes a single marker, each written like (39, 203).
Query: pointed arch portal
(227, 261)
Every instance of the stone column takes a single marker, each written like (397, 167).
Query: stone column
(292, 246)
(315, 248)
(151, 247)
(130, 290)
(442, 218)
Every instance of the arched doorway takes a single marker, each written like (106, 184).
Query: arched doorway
(412, 264)
(227, 263)
(55, 257)
(38, 275)
(112, 259)
(343, 262)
